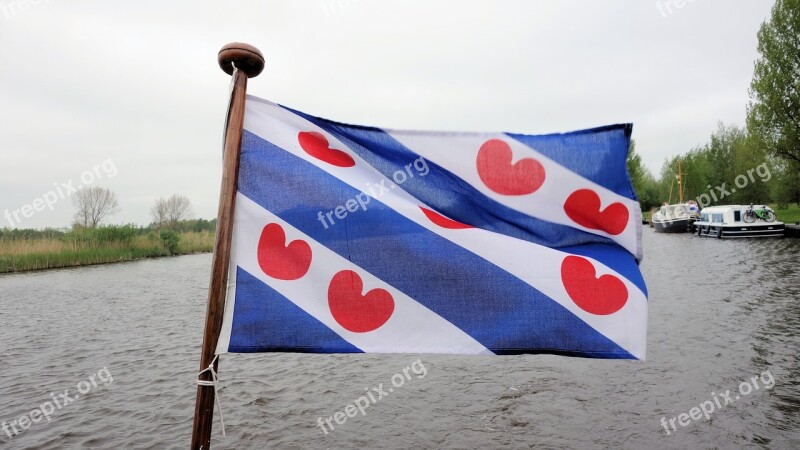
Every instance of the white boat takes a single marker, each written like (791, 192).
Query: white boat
(738, 221)
(676, 218)
(679, 217)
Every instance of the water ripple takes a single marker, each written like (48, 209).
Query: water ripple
(721, 312)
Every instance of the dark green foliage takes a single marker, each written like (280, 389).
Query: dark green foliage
(774, 111)
(28, 233)
(104, 235)
(643, 182)
(170, 239)
(731, 166)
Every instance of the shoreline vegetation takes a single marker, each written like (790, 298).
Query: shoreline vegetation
(24, 250)
(30, 250)
(790, 215)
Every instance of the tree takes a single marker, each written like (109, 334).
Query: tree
(786, 185)
(774, 110)
(751, 187)
(168, 211)
(636, 170)
(93, 204)
(643, 182)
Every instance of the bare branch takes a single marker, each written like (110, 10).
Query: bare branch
(168, 211)
(93, 204)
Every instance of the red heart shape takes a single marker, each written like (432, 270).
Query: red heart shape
(443, 221)
(316, 145)
(353, 311)
(498, 174)
(600, 296)
(583, 206)
(283, 262)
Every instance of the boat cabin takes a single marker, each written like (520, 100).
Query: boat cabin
(728, 221)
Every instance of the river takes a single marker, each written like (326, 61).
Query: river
(125, 339)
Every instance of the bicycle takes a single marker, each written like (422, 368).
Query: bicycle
(750, 215)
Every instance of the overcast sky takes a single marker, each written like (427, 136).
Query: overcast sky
(137, 87)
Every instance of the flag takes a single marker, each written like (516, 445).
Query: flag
(359, 239)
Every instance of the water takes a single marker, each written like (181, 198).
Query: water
(720, 313)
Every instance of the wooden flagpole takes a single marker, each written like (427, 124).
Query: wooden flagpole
(241, 61)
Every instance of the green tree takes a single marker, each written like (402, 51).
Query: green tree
(753, 172)
(774, 110)
(643, 182)
(698, 172)
(171, 240)
(785, 184)
(636, 169)
(730, 168)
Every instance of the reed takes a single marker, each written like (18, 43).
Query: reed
(196, 242)
(95, 247)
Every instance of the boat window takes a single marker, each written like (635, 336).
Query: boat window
(716, 218)
(737, 216)
(704, 217)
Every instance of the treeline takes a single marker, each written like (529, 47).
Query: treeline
(731, 168)
(759, 163)
(106, 233)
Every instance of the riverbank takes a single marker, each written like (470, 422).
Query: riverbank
(22, 255)
(788, 215)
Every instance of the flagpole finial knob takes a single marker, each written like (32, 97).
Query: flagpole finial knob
(247, 58)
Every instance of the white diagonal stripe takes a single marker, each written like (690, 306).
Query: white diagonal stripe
(412, 328)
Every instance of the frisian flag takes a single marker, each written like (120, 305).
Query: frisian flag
(359, 239)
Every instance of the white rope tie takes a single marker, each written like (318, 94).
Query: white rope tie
(213, 382)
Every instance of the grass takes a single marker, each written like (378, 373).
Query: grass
(82, 249)
(788, 215)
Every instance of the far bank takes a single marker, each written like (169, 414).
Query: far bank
(41, 251)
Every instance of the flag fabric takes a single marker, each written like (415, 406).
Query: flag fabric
(358, 239)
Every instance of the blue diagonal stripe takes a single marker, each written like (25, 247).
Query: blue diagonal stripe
(587, 152)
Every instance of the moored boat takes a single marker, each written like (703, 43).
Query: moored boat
(677, 218)
(738, 221)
